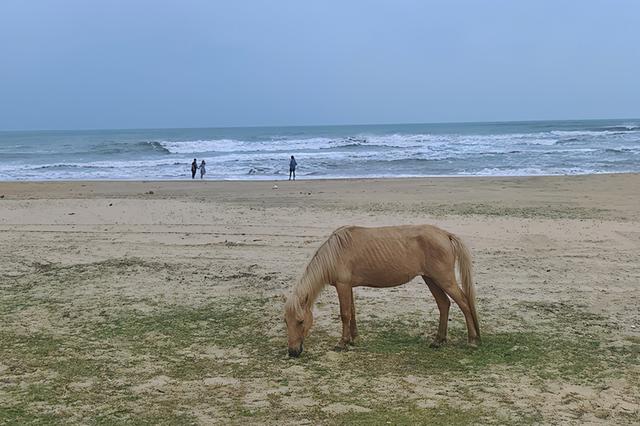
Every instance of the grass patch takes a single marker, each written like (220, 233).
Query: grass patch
(443, 415)
(116, 355)
(570, 349)
(546, 212)
(101, 363)
(539, 354)
(17, 415)
(494, 209)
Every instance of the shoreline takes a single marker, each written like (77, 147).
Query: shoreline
(327, 179)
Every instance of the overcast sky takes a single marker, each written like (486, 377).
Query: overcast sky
(70, 64)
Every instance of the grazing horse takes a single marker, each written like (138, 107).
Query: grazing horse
(383, 257)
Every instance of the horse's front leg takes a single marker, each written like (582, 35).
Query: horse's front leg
(344, 297)
(354, 327)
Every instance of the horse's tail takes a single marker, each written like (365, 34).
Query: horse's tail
(464, 267)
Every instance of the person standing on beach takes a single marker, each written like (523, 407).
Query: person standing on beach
(194, 167)
(292, 168)
(202, 169)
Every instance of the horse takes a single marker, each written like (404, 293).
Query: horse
(382, 257)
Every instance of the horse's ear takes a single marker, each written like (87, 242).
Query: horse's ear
(304, 302)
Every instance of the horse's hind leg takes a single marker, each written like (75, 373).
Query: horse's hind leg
(443, 302)
(450, 287)
(344, 297)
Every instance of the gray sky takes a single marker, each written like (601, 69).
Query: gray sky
(68, 64)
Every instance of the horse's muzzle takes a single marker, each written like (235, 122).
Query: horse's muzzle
(295, 353)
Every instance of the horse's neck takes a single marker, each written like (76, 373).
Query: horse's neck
(308, 290)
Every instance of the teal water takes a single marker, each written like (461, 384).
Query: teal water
(451, 149)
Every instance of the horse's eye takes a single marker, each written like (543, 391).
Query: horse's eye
(300, 322)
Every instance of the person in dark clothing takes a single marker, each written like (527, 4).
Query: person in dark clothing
(194, 167)
(292, 168)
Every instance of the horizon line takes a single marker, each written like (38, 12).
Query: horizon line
(88, 129)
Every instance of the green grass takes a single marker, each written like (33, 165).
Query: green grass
(16, 415)
(554, 357)
(131, 347)
(442, 415)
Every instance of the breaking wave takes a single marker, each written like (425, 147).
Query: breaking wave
(324, 152)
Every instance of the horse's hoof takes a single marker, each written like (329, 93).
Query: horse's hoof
(341, 347)
(474, 345)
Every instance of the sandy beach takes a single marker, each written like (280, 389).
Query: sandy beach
(161, 302)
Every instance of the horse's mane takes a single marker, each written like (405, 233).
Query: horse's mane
(319, 272)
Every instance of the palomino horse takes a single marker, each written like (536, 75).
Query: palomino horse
(383, 257)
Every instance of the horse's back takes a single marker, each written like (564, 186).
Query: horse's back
(392, 255)
(429, 237)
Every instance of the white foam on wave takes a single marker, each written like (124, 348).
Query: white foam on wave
(233, 146)
(469, 142)
(532, 171)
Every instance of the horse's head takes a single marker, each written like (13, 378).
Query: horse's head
(299, 319)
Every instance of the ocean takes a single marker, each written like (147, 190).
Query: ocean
(402, 150)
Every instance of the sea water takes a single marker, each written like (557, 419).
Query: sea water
(395, 150)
